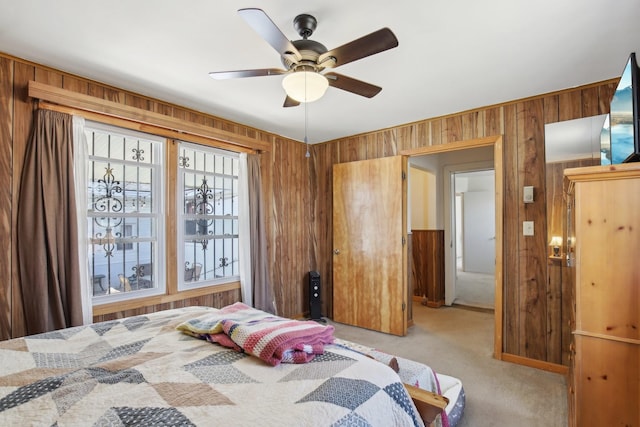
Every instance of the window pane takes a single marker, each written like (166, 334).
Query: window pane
(123, 191)
(116, 147)
(139, 150)
(209, 196)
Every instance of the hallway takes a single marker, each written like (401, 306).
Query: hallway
(475, 290)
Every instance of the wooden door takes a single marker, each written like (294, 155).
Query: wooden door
(369, 242)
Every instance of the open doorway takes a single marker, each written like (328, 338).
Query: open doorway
(437, 158)
(472, 222)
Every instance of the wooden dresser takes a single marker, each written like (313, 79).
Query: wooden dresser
(604, 227)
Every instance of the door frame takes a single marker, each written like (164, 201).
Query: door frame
(498, 165)
(450, 222)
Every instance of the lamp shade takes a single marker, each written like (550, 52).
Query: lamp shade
(556, 241)
(305, 86)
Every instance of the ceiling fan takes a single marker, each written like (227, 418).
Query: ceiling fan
(305, 59)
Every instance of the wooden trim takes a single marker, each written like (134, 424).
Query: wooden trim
(177, 127)
(607, 337)
(538, 364)
(142, 127)
(498, 315)
(407, 316)
(114, 307)
(591, 173)
(435, 304)
(430, 304)
(171, 218)
(452, 146)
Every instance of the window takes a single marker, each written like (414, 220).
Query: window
(126, 199)
(124, 213)
(208, 216)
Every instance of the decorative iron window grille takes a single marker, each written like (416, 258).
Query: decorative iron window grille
(124, 211)
(208, 196)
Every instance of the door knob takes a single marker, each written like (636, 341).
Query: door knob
(336, 251)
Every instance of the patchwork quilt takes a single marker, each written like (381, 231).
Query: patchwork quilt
(143, 371)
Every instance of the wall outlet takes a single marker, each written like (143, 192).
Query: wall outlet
(527, 228)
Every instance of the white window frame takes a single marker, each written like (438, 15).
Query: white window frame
(158, 214)
(180, 220)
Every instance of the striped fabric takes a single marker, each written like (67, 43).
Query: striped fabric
(271, 338)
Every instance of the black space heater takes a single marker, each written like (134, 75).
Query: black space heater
(315, 304)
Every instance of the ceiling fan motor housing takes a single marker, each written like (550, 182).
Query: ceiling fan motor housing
(309, 50)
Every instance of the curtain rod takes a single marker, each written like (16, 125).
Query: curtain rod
(110, 112)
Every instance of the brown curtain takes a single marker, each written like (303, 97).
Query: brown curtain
(263, 298)
(47, 230)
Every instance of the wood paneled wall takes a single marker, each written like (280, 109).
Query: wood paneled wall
(531, 325)
(297, 193)
(285, 190)
(427, 251)
(560, 277)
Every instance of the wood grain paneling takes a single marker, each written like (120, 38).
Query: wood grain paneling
(590, 102)
(569, 105)
(322, 221)
(22, 123)
(6, 168)
(606, 91)
(297, 192)
(530, 322)
(493, 121)
(285, 172)
(555, 227)
(532, 252)
(428, 264)
(560, 290)
(289, 229)
(512, 227)
(217, 300)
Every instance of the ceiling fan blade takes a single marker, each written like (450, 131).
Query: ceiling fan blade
(373, 43)
(223, 75)
(290, 102)
(352, 85)
(264, 26)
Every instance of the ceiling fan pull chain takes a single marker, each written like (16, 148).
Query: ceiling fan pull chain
(306, 118)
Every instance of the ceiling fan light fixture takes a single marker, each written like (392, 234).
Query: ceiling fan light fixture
(305, 86)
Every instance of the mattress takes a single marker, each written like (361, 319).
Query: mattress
(422, 376)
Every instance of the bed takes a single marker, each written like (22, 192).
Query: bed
(142, 370)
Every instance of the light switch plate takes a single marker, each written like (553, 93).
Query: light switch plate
(528, 194)
(527, 228)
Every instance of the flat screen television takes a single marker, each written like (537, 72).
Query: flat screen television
(624, 118)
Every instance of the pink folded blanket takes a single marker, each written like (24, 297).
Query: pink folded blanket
(271, 338)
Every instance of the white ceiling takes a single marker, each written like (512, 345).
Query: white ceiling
(453, 55)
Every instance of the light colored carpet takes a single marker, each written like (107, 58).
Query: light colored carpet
(459, 342)
(475, 289)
